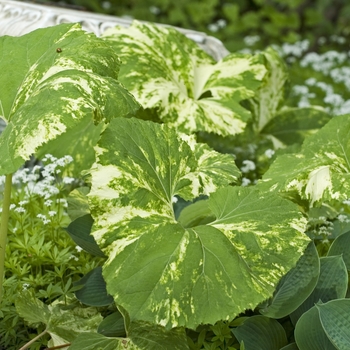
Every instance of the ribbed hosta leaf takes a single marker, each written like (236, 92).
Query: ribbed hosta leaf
(165, 70)
(56, 81)
(163, 272)
(321, 171)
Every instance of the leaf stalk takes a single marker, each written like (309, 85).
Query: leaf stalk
(3, 228)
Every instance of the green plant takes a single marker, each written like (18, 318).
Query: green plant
(189, 257)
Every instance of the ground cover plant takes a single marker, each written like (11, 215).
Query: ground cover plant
(212, 212)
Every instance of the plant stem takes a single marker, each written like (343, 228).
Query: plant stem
(26, 346)
(3, 228)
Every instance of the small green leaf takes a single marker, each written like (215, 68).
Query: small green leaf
(261, 333)
(293, 125)
(93, 292)
(332, 284)
(296, 286)
(61, 322)
(309, 334)
(79, 230)
(340, 246)
(335, 320)
(112, 325)
(50, 95)
(95, 341)
(33, 310)
(188, 89)
(78, 204)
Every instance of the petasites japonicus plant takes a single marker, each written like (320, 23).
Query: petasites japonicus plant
(185, 87)
(320, 172)
(57, 84)
(179, 271)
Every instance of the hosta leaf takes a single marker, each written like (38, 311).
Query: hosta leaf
(79, 230)
(340, 246)
(309, 334)
(332, 284)
(93, 291)
(261, 333)
(335, 320)
(165, 70)
(163, 272)
(321, 171)
(112, 325)
(60, 323)
(295, 286)
(292, 125)
(58, 79)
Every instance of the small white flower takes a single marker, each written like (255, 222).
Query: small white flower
(48, 202)
(154, 10)
(12, 206)
(343, 218)
(25, 286)
(74, 257)
(222, 24)
(251, 40)
(174, 199)
(21, 203)
(245, 181)
(78, 249)
(269, 153)
(213, 27)
(248, 166)
(52, 213)
(68, 180)
(20, 210)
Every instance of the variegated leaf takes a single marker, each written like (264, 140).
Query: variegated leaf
(56, 80)
(320, 171)
(167, 71)
(163, 272)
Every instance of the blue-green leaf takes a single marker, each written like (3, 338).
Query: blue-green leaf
(340, 246)
(261, 333)
(335, 320)
(309, 334)
(168, 72)
(332, 284)
(296, 286)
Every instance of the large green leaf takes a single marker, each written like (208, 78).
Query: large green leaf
(296, 286)
(332, 284)
(55, 81)
(261, 333)
(335, 320)
(321, 171)
(163, 272)
(165, 70)
(61, 323)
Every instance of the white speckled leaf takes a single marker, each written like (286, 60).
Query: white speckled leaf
(54, 80)
(321, 170)
(165, 70)
(271, 94)
(163, 272)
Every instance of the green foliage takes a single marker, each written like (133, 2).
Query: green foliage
(268, 22)
(177, 254)
(40, 255)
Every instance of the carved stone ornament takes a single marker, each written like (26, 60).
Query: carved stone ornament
(17, 18)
